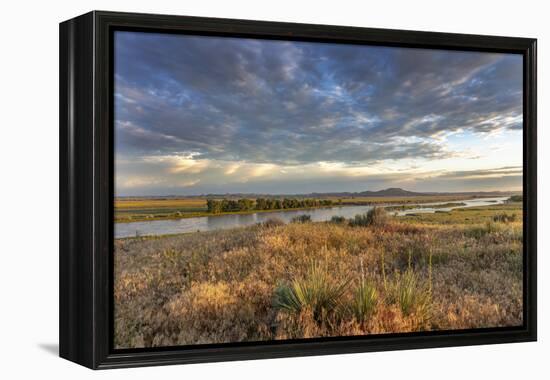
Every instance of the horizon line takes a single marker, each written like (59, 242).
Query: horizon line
(323, 193)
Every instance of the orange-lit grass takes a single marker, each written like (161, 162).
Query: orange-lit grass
(214, 287)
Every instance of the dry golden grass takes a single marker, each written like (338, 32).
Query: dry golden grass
(221, 286)
(146, 203)
(136, 209)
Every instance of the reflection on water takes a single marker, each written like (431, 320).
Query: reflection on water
(210, 223)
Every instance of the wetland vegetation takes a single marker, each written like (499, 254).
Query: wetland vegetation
(136, 209)
(372, 274)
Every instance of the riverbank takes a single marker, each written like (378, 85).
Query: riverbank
(170, 209)
(188, 215)
(421, 206)
(233, 220)
(460, 270)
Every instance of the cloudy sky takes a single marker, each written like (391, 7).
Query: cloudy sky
(197, 115)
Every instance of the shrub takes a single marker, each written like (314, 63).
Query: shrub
(478, 231)
(317, 293)
(492, 227)
(364, 301)
(504, 218)
(359, 221)
(301, 219)
(376, 216)
(273, 222)
(337, 219)
(515, 198)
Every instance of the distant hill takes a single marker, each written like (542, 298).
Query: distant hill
(390, 192)
(398, 192)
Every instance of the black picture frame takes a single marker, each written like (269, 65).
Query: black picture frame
(86, 189)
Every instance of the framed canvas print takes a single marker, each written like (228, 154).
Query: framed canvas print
(237, 189)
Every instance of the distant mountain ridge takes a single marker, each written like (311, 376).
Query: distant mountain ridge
(389, 192)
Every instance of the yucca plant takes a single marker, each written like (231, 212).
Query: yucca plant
(406, 292)
(364, 301)
(317, 292)
(410, 295)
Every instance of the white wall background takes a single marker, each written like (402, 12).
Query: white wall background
(29, 187)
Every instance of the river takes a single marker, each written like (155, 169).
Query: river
(210, 223)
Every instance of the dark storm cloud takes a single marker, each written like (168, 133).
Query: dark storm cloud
(294, 103)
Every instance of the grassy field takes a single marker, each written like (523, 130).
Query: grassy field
(416, 199)
(453, 270)
(140, 209)
(413, 206)
(130, 210)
